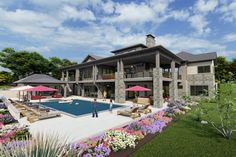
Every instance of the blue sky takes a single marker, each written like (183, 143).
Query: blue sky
(74, 28)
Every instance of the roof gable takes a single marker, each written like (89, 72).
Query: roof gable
(90, 58)
(39, 79)
(197, 57)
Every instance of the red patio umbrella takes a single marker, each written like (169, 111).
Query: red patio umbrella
(40, 89)
(138, 88)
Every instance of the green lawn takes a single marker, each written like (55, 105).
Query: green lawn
(189, 138)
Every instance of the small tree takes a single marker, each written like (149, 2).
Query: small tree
(225, 120)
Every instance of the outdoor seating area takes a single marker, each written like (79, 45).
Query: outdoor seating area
(34, 112)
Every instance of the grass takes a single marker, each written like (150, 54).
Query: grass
(189, 138)
(4, 87)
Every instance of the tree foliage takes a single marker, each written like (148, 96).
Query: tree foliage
(5, 78)
(24, 63)
(225, 70)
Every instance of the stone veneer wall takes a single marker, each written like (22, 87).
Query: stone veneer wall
(173, 87)
(157, 88)
(119, 87)
(202, 79)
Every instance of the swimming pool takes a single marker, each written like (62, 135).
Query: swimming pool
(78, 107)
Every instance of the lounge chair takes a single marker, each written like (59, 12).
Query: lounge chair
(144, 109)
(49, 115)
(129, 113)
(143, 101)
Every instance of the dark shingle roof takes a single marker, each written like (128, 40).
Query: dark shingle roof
(129, 47)
(197, 57)
(95, 57)
(39, 79)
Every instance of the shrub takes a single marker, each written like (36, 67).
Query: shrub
(7, 118)
(38, 146)
(119, 139)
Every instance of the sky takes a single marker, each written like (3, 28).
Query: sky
(73, 29)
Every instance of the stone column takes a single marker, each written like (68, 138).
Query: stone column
(65, 90)
(119, 83)
(173, 84)
(62, 76)
(67, 75)
(100, 90)
(183, 69)
(77, 75)
(157, 83)
(82, 90)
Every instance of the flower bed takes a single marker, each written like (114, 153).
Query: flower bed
(10, 130)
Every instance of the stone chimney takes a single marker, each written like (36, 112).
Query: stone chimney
(150, 40)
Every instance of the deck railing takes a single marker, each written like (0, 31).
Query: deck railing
(139, 74)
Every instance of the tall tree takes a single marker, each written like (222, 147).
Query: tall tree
(23, 63)
(222, 71)
(5, 77)
(56, 64)
(233, 67)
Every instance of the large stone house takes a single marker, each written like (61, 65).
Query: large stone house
(153, 66)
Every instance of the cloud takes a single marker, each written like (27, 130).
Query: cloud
(131, 13)
(41, 50)
(177, 43)
(229, 11)
(74, 14)
(200, 24)
(205, 6)
(230, 37)
(28, 22)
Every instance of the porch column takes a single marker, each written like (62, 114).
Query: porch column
(67, 75)
(77, 75)
(100, 91)
(62, 76)
(82, 90)
(119, 83)
(157, 83)
(183, 73)
(65, 90)
(173, 84)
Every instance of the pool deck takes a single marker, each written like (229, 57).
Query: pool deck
(78, 128)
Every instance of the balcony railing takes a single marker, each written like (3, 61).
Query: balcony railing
(139, 74)
(106, 76)
(85, 78)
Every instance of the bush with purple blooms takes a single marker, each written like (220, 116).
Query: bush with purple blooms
(3, 106)
(99, 151)
(6, 118)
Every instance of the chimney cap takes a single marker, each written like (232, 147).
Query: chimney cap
(150, 35)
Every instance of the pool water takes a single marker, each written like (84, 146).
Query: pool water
(78, 107)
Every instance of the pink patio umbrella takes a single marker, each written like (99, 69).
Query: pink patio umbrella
(40, 88)
(138, 89)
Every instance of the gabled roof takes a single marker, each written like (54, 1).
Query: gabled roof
(39, 79)
(93, 57)
(197, 57)
(129, 47)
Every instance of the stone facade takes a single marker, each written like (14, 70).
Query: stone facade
(119, 87)
(207, 79)
(157, 88)
(173, 87)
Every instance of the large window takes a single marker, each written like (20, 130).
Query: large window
(204, 69)
(198, 90)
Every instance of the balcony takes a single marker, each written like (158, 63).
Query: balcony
(139, 74)
(106, 76)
